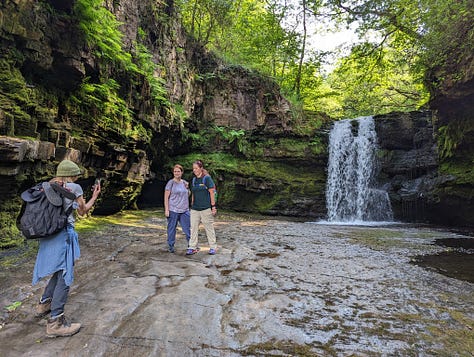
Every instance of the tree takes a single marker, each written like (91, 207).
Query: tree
(387, 71)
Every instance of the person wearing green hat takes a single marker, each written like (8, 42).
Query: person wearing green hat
(57, 253)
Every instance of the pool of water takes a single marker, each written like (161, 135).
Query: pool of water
(456, 262)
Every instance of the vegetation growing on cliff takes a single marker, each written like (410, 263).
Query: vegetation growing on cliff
(106, 97)
(22, 104)
(385, 71)
(258, 185)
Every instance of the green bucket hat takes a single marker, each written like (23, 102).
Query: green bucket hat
(67, 168)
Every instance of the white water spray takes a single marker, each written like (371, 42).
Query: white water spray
(351, 195)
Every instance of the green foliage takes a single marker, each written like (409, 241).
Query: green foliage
(109, 111)
(373, 80)
(148, 68)
(101, 29)
(13, 306)
(448, 39)
(236, 138)
(102, 32)
(201, 141)
(404, 39)
(22, 104)
(215, 135)
(429, 36)
(245, 32)
(452, 135)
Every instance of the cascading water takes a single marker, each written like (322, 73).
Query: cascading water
(351, 195)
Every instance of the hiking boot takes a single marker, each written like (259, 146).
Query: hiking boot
(60, 327)
(43, 308)
(191, 251)
(212, 251)
(171, 249)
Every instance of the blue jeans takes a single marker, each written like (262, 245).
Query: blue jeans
(57, 291)
(185, 222)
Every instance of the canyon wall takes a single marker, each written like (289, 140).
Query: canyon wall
(62, 97)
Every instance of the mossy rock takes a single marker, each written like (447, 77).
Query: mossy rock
(265, 187)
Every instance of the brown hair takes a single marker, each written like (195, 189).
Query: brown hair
(179, 167)
(201, 166)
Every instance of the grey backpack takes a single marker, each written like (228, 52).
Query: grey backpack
(43, 211)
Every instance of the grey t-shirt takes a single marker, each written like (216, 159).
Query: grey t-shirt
(179, 198)
(77, 190)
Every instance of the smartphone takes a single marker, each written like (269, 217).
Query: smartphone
(98, 181)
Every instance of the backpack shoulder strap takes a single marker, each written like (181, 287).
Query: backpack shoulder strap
(204, 181)
(64, 192)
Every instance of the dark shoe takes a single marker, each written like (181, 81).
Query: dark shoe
(43, 308)
(212, 251)
(191, 251)
(171, 249)
(60, 327)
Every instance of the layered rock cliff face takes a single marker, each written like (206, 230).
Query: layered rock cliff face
(58, 90)
(423, 185)
(409, 163)
(452, 99)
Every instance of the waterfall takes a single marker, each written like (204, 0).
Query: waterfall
(351, 195)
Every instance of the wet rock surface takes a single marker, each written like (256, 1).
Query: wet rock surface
(276, 287)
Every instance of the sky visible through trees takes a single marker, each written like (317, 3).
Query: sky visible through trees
(375, 61)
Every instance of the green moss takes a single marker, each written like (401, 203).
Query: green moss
(450, 341)
(294, 148)
(11, 236)
(126, 217)
(259, 185)
(386, 239)
(277, 172)
(462, 169)
(22, 253)
(23, 105)
(266, 202)
(9, 233)
(276, 348)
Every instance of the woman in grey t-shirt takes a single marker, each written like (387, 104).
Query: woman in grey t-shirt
(177, 206)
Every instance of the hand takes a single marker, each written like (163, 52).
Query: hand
(167, 213)
(214, 211)
(96, 190)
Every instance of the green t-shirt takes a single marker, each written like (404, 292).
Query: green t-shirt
(201, 196)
